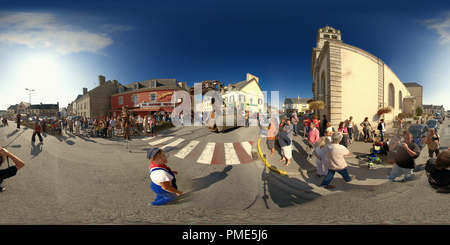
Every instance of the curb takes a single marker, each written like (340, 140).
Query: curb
(270, 167)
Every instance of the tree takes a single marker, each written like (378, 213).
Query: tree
(419, 111)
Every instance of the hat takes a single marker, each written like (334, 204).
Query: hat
(152, 152)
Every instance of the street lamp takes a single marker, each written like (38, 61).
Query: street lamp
(29, 90)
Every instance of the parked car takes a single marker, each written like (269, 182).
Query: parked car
(433, 123)
(440, 119)
(418, 131)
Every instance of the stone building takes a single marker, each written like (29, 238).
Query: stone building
(48, 110)
(97, 101)
(296, 104)
(146, 97)
(354, 82)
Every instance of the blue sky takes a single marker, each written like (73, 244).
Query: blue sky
(59, 47)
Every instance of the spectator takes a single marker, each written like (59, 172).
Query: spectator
(285, 143)
(324, 124)
(294, 120)
(306, 123)
(349, 125)
(344, 132)
(336, 161)
(119, 126)
(152, 125)
(366, 128)
(140, 123)
(54, 126)
(271, 136)
(382, 128)
(407, 151)
(329, 130)
(70, 126)
(97, 128)
(77, 127)
(113, 126)
(433, 141)
(65, 125)
(316, 121)
(145, 124)
(313, 137)
(438, 172)
(290, 131)
(320, 152)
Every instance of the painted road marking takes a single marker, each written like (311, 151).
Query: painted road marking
(160, 141)
(187, 149)
(231, 157)
(173, 144)
(207, 153)
(247, 147)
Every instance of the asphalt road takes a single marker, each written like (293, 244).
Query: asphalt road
(91, 180)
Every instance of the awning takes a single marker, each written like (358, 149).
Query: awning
(147, 109)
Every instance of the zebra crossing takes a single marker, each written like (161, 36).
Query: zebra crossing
(231, 153)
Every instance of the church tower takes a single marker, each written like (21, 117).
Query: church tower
(327, 34)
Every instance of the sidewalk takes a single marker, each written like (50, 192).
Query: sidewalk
(301, 173)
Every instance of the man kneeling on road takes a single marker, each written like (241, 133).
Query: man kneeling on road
(10, 171)
(407, 151)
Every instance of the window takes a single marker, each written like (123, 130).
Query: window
(400, 100)
(135, 86)
(121, 100)
(391, 95)
(153, 84)
(152, 97)
(120, 90)
(322, 87)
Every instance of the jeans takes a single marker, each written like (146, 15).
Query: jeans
(295, 129)
(162, 197)
(382, 135)
(397, 170)
(330, 175)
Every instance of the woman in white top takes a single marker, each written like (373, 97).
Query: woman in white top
(349, 125)
(320, 152)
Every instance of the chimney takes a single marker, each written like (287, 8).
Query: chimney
(85, 91)
(101, 80)
(115, 82)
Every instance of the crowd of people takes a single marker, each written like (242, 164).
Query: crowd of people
(104, 127)
(329, 148)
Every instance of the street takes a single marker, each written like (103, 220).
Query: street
(71, 179)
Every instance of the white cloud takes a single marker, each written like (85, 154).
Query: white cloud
(441, 26)
(46, 30)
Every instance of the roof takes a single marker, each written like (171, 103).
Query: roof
(12, 107)
(433, 106)
(171, 82)
(412, 85)
(238, 86)
(44, 106)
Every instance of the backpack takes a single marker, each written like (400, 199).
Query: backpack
(380, 127)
